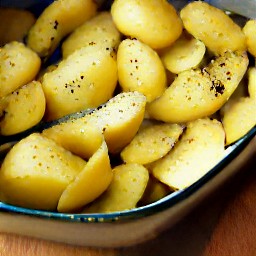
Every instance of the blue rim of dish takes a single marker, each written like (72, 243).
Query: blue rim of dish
(143, 211)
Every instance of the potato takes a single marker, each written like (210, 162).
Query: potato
(249, 30)
(98, 30)
(18, 66)
(151, 143)
(23, 109)
(119, 120)
(86, 79)
(81, 139)
(153, 22)
(35, 173)
(140, 69)
(89, 184)
(252, 82)
(239, 118)
(19, 22)
(185, 53)
(201, 92)
(126, 189)
(213, 27)
(155, 190)
(57, 20)
(200, 148)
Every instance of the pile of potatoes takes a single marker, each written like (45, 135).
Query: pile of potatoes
(169, 90)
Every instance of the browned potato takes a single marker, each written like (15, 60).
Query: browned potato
(14, 24)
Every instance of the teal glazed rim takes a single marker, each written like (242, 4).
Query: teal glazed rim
(143, 211)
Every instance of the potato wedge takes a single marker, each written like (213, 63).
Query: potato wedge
(183, 54)
(213, 27)
(99, 30)
(201, 92)
(140, 69)
(36, 171)
(200, 148)
(249, 30)
(155, 191)
(57, 20)
(119, 120)
(126, 189)
(252, 82)
(19, 22)
(154, 22)
(89, 184)
(86, 79)
(151, 143)
(22, 109)
(239, 118)
(18, 66)
(79, 138)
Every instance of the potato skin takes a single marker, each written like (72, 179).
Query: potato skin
(140, 69)
(36, 171)
(98, 30)
(86, 79)
(18, 66)
(249, 30)
(213, 27)
(57, 20)
(200, 148)
(23, 109)
(201, 92)
(154, 22)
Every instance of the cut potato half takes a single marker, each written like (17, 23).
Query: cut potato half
(89, 184)
(126, 189)
(200, 148)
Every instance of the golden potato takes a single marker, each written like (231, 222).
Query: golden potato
(249, 30)
(151, 143)
(184, 54)
(201, 92)
(18, 66)
(213, 27)
(79, 138)
(89, 184)
(154, 22)
(98, 30)
(140, 69)
(19, 22)
(22, 109)
(86, 79)
(252, 82)
(155, 190)
(119, 120)
(36, 171)
(127, 187)
(57, 20)
(200, 148)
(239, 118)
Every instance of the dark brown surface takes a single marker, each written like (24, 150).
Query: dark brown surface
(224, 224)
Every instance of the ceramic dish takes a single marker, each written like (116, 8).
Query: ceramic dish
(126, 227)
